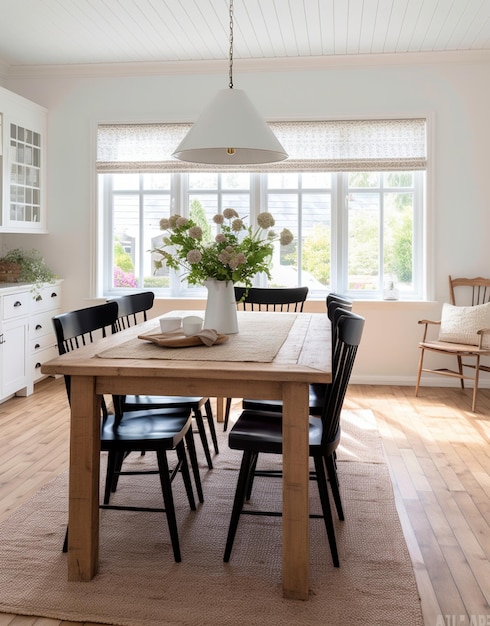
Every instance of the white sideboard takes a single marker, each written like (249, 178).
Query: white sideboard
(27, 336)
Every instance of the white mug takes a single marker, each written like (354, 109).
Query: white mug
(168, 324)
(191, 325)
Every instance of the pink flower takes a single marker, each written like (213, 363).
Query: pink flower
(195, 232)
(229, 213)
(194, 256)
(265, 220)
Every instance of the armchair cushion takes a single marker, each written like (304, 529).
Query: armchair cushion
(459, 324)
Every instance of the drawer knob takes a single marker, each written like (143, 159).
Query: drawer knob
(39, 326)
(17, 304)
(37, 366)
(37, 346)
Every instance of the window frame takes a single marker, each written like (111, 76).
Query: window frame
(258, 191)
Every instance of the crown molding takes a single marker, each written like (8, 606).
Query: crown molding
(243, 65)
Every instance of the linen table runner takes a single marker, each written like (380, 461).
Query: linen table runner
(258, 340)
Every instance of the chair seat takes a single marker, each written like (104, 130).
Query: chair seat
(146, 430)
(261, 431)
(453, 348)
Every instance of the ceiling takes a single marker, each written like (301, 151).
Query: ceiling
(60, 32)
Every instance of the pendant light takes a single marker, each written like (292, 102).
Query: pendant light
(230, 131)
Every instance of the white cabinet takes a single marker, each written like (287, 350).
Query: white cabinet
(13, 343)
(23, 129)
(45, 305)
(27, 336)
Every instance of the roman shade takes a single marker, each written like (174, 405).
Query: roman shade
(335, 145)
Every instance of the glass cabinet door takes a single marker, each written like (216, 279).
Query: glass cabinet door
(23, 136)
(25, 175)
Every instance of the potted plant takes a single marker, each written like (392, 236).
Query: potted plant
(25, 266)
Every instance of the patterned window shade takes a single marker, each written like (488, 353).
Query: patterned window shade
(336, 145)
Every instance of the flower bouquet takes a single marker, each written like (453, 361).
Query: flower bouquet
(237, 253)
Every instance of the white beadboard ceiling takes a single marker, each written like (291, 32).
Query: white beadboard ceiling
(60, 32)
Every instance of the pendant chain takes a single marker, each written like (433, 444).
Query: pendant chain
(231, 45)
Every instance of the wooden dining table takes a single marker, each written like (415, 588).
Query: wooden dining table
(303, 358)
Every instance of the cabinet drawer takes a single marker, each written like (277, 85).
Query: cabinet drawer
(16, 305)
(41, 343)
(37, 359)
(42, 324)
(49, 297)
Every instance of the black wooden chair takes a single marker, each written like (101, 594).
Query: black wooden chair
(258, 432)
(289, 299)
(156, 430)
(133, 310)
(267, 299)
(318, 390)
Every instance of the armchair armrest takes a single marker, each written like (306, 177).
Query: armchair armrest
(483, 332)
(426, 323)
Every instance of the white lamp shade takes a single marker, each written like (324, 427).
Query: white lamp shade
(230, 131)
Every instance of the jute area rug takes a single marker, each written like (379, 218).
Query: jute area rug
(139, 584)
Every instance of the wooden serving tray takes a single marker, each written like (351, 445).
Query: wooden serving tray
(172, 340)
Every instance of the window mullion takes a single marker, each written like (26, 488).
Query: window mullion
(340, 234)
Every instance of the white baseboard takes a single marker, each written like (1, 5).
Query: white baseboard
(409, 381)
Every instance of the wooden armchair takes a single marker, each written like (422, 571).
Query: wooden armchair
(464, 332)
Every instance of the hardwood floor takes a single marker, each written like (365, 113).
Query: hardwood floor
(439, 457)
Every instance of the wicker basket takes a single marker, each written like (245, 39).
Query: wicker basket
(9, 272)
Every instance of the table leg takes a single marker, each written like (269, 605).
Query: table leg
(295, 559)
(220, 409)
(83, 516)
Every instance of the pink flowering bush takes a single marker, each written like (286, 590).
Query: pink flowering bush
(237, 253)
(124, 279)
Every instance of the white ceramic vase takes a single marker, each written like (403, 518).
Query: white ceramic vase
(221, 312)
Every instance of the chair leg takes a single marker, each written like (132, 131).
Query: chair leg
(475, 383)
(212, 428)
(191, 447)
(169, 503)
(334, 485)
(202, 433)
(251, 475)
(65, 542)
(327, 512)
(240, 492)
(227, 413)
(460, 370)
(114, 463)
(419, 372)
(184, 468)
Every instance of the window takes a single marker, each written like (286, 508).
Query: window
(354, 231)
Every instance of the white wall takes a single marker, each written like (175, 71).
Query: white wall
(453, 89)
